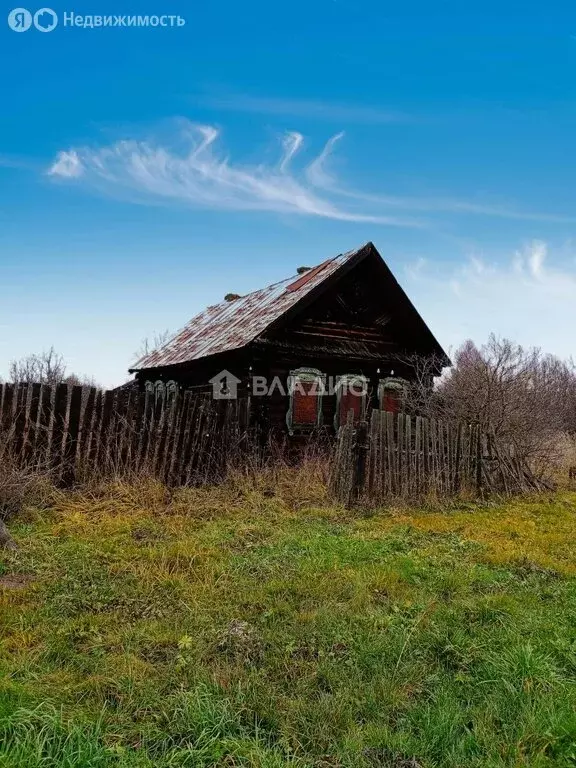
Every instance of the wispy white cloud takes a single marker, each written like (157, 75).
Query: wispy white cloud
(67, 165)
(317, 173)
(203, 176)
(529, 297)
(292, 143)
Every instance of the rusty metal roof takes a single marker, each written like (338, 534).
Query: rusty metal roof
(231, 325)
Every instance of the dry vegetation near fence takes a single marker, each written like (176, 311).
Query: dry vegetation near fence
(524, 397)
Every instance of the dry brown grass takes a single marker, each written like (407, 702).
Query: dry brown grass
(22, 487)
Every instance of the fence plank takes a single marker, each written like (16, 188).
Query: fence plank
(400, 454)
(71, 436)
(391, 484)
(375, 451)
(458, 459)
(33, 415)
(7, 414)
(95, 431)
(59, 424)
(175, 461)
(44, 434)
(20, 418)
(103, 456)
(418, 455)
(86, 427)
(409, 469)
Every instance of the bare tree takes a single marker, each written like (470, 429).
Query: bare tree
(420, 394)
(522, 396)
(45, 368)
(149, 345)
(525, 398)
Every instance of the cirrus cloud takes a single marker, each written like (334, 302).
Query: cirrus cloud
(202, 175)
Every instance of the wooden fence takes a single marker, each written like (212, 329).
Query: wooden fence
(75, 431)
(402, 456)
(78, 432)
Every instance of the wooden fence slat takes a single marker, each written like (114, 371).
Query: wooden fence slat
(42, 448)
(458, 460)
(400, 454)
(391, 484)
(418, 455)
(20, 418)
(93, 448)
(373, 452)
(408, 455)
(426, 455)
(196, 456)
(148, 427)
(129, 429)
(86, 427)
(173, 469)
(7, 415)
(59, 424)
(33, 416)
(162, 417)
(190, 426)
(167, 437)
(103, 462)
(71, 435)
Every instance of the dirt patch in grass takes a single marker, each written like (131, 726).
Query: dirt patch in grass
(15, 581)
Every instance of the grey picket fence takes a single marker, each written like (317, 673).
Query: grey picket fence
(75, 432)
(411, 457)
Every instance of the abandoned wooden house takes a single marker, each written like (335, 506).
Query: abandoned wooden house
(333, 338)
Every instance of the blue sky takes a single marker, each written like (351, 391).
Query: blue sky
(144, 173)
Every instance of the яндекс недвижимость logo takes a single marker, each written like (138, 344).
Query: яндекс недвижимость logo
(21, 19)
(45, 20)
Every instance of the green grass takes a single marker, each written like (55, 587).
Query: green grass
(260, 627)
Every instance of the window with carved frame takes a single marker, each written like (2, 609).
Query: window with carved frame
(391, 393)
(306, 388)
(351, 395)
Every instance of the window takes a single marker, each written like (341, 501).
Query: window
(305, 387)
(391, 394)
(351, 395)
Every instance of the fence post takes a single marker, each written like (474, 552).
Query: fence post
(359, 459)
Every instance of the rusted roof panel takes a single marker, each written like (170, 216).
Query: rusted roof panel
(231, 325)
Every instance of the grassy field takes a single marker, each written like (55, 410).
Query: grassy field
(258, 626)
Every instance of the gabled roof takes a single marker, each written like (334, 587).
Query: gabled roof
(234, 324)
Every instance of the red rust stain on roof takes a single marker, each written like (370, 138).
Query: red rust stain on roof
(231, 325)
